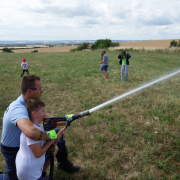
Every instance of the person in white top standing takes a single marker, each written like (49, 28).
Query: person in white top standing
(24, 66)
(30, 158)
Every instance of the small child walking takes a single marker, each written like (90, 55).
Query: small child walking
(24, 67)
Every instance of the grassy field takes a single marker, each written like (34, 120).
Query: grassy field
(137, 137)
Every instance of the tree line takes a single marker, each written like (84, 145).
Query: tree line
(99, 44)
(174, 43)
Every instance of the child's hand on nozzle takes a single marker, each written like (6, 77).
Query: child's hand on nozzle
(62, 132)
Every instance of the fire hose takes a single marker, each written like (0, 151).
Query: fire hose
(51, 124)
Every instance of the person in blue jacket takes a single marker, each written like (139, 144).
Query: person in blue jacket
(124, 61)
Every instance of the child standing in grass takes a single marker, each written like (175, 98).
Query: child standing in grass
(125, 63)
(24, 67)
(104, 67)
(30, 158)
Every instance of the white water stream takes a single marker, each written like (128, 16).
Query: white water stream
(133, 91)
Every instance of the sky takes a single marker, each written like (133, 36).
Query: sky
(89, 19)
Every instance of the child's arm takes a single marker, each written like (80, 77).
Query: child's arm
(38, 151)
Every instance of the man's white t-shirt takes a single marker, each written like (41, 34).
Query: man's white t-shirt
(24, 65)
(29, 167)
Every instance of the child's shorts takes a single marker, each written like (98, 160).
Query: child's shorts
(25, 70)
(104, 67)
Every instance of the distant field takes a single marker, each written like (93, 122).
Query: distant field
(47, 49)
(135, 138)
(153, 44)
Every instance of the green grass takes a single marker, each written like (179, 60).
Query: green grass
(137, 137)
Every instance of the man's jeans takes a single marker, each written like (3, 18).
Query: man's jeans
(10, 157)
(124, 68)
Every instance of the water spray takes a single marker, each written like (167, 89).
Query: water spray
(132, 91)
(52, 123)
(128, 93)
(84, 113)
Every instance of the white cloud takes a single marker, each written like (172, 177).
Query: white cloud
(95, 19)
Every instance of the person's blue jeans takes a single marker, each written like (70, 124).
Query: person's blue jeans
(3, 177)
(10, 168)
(124, 68)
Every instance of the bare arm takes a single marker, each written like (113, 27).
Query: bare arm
(26, 126)
(38, 151)
(102, 61)
(61, 123)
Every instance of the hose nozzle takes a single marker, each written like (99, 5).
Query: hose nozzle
(84, 113)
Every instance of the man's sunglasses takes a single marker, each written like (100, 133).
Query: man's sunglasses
(35, 89)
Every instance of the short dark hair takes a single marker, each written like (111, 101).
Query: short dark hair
(28, 82)
(123, 52)
(34, 104)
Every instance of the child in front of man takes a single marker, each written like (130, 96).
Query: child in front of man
(30, 159)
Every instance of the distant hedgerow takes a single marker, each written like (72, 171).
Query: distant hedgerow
(7, 50)
(81, 47)
(174, 43)
(103, 43)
